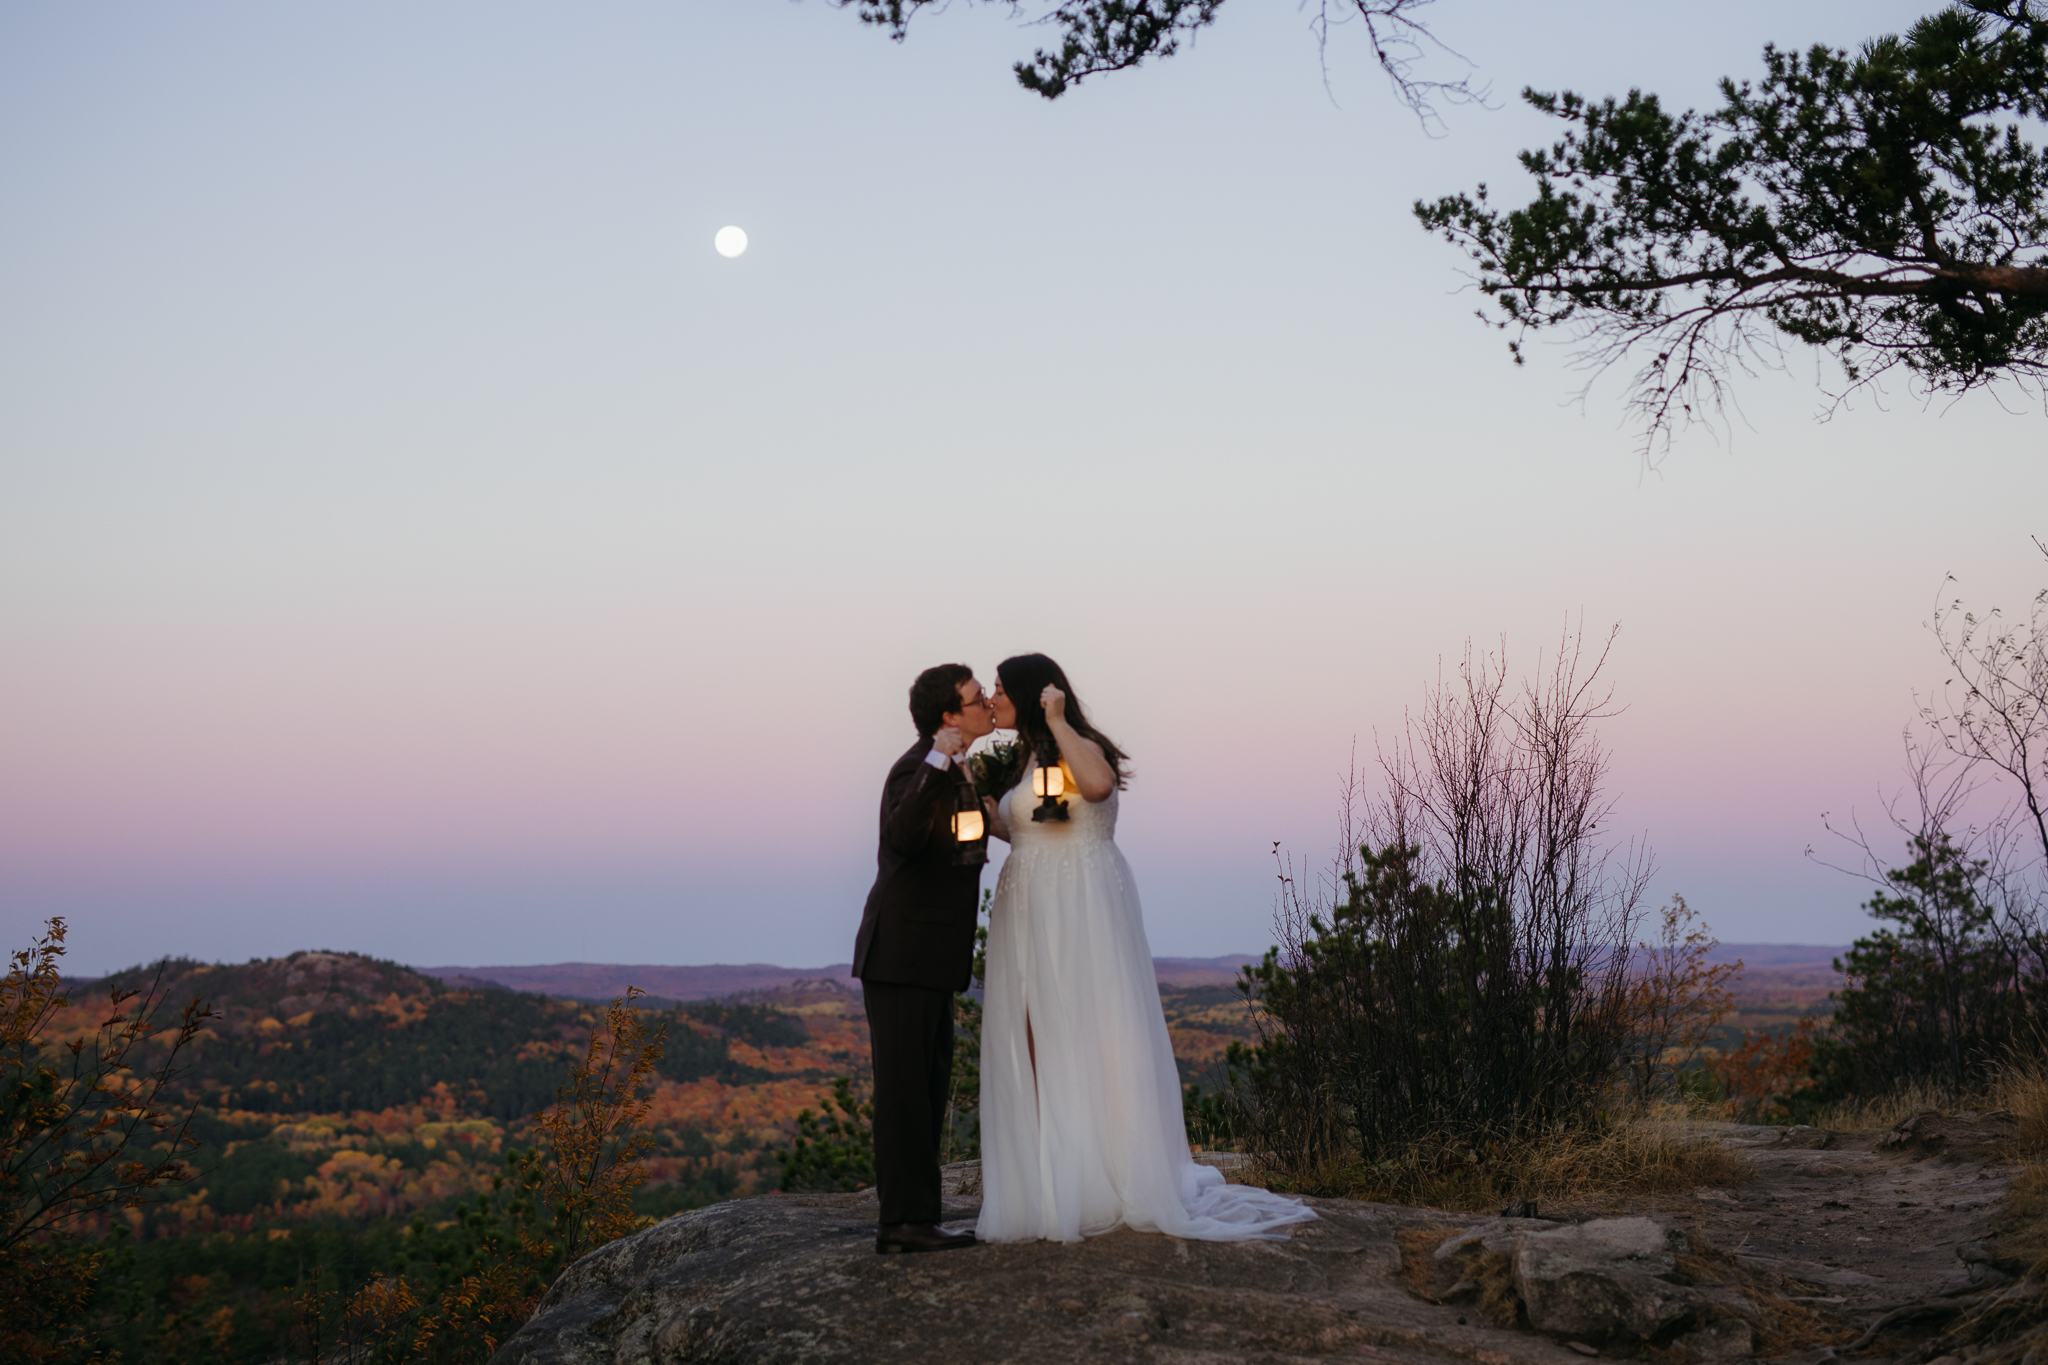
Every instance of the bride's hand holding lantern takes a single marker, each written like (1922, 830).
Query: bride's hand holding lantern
(1082, 758)
(1048, 780)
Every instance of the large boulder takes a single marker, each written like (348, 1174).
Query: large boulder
(789, 1278)
(1605, 1279)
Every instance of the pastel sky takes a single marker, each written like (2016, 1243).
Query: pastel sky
(415, 539)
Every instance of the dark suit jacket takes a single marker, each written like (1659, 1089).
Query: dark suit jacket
(918, 927)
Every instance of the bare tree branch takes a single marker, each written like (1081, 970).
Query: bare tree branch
(1101, 36)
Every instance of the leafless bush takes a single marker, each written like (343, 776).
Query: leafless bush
(1461, 979)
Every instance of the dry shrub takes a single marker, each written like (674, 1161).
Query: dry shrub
(1642, 1158)
(1676, 1000)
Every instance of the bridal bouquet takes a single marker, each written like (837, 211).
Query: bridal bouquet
(997, 768)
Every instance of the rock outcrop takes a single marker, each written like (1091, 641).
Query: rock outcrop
(1827, 1238)
(1613, 1277)
(1954, 1137)
(795, 1278)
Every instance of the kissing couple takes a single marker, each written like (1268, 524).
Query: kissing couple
(1081, 1128)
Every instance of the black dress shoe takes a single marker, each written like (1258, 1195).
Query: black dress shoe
(897, 1238)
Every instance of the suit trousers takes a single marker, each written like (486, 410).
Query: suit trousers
(910, 1031)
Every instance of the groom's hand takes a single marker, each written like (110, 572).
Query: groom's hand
(950, 742)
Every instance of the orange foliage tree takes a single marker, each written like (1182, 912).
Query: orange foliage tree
(84, 1127)
(595, 1134)
(1758, 1078)
(569, 1194)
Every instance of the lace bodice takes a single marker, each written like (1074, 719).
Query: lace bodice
(1087, 822)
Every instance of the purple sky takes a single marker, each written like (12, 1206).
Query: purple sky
(414, 538)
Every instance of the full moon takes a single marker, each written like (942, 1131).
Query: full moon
(730, 241)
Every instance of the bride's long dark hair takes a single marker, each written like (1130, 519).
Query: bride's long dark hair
(1024, 677)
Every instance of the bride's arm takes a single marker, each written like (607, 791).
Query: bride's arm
(1092, 773)
(993, 810)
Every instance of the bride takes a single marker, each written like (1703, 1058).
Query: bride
(1081, 1125)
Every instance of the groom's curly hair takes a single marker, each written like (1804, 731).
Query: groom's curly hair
(936, 691)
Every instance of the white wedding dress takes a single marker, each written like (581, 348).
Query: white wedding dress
(1095, 1141)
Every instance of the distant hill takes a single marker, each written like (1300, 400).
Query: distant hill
(607, 980)
(319, 1032)
(1184, 972)
(337, 1086)
(323, 1032)
(1777, 954)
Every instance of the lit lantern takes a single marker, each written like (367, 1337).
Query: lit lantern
(1048, 781)
(968, 826)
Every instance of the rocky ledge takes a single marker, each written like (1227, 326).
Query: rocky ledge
(1834, 1237)
(795, 1278)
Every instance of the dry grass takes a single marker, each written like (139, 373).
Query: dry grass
(2025, 1229)
(1640, 1158)
(1781, 1326)
(1488, 1276)
(2011, 1325)
(2022, 1091)
(2019, 1087)
(1886, 1111)
(1419, 1275)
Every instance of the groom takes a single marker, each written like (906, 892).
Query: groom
(916, 948)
